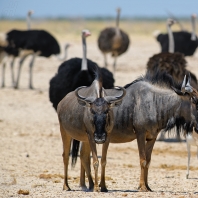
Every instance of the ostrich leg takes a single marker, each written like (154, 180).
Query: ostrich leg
(19, 71)
(3, 75)
(105, 60)
(12, 70)
(31, 67)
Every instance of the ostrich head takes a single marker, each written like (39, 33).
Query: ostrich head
(85, 33)
(170, 22)
(194, 16)
(118, 10)
(30, 12)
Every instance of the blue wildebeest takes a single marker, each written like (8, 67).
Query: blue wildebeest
(152, 103)
(87, 115)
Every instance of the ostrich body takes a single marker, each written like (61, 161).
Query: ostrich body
(113, 40)
(74, 73)
(35, 43)
(185, 42)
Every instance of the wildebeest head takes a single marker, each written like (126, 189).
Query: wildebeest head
(193, 96)
(98, 117)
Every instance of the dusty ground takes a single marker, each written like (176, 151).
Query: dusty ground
(31, 146)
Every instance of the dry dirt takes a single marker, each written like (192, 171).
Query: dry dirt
(31, 146)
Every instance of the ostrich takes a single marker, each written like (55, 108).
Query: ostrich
(172, 63)
(113, 40)
(10, 51)
(76, 72)
(185, 42)
(31, 42)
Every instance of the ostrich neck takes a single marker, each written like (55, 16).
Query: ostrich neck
(117, 20)
(171, 40)
(84, 59)
(193, 35)
(28, 22)
(64, 55)
(117, 24)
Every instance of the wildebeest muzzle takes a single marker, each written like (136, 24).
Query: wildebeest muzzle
(100, 133)
(100, 138)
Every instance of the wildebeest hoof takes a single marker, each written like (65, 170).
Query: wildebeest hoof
(144, 189)
(104, 189)
(148, 188)
(84, 188)
(67, 188)
(186, 176)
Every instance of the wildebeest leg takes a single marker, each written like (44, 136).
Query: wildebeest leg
(19, 71)
(66, 149)
(85, 166)
(142, 154)
(149, 149)
(188, 163)
(103, 164)
(95, 162)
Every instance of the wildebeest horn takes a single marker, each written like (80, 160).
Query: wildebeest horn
(183, 85)
(188, 87)
(86, 100)
(111, 99)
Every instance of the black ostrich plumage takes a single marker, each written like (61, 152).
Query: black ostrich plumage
(182, 40)
(36, 40)
(70, 76)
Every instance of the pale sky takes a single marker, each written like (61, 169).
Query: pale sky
(95, 8)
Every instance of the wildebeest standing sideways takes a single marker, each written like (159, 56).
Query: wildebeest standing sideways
(86, 115)
(152, 103)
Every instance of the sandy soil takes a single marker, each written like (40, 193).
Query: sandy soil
(31, 146)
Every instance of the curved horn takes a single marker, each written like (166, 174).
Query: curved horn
(77, 95)
(183, 85)
(188, 87)
(114, 99)
(86, 100)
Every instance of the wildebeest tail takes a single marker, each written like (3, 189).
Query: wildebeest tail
(75, 149)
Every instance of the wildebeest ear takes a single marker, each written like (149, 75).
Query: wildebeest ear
(84, 103)
(115, 104)
(177, 91)
(80, 102)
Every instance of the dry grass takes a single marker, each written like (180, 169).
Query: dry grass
(23, 192)
(50, 176)
(176, 167)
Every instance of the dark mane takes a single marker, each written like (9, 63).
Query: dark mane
(160, 78)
